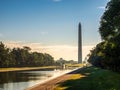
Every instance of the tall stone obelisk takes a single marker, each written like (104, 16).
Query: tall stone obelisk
(79, 44)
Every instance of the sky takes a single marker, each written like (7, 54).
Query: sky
(51, 26)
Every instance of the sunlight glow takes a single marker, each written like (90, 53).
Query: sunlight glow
(67, 52)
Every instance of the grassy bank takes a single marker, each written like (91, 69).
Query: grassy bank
(24, 68)
(91, 78)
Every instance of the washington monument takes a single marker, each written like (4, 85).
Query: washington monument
(79, 44)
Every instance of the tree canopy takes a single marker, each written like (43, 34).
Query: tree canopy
(107, 53)
(22, 57)
(110, 21)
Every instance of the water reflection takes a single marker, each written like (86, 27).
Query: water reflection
(22, 76)
(23, 79)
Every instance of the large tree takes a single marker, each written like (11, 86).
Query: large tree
(110, 21)
(107, 53)
(21, 57)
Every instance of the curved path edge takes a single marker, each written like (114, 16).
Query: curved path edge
(50, 85)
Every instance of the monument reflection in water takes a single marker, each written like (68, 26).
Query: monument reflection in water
(24, 79)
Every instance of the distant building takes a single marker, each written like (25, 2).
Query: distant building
(62, 61)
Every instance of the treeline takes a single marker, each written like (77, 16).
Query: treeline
(61, 61)
(107, 53)
(22, 57)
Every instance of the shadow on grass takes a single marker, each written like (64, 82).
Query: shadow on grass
(94, 79)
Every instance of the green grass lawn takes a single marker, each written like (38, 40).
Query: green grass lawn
(92, 78)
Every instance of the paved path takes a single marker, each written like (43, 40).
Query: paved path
(52, 83)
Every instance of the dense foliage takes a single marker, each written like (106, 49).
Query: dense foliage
(22, 57)
(61, 61)
(107, 53)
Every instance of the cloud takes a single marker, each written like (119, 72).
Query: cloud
(101, 7)
(57, 0)
(12, 44)
(68, 52)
